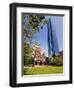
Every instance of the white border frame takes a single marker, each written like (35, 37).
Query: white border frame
(49, 78)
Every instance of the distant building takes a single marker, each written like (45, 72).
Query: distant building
(61, 53)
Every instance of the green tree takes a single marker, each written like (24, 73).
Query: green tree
(32, 24)
(27, 54)
(57, 60)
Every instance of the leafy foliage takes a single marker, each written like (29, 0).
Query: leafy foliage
(57, 60)
(27, 54)
(32, 24)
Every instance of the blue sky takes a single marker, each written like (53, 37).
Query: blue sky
(57, 27)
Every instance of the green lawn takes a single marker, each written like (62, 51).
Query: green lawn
(43, 70)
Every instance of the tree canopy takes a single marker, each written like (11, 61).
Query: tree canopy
(31, 25)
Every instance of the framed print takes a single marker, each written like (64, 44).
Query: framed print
(40, 44)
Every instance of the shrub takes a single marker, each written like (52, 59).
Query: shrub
(28, 61)
(48, 61)
(57, 60)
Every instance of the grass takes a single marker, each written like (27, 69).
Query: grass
(43, 70)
